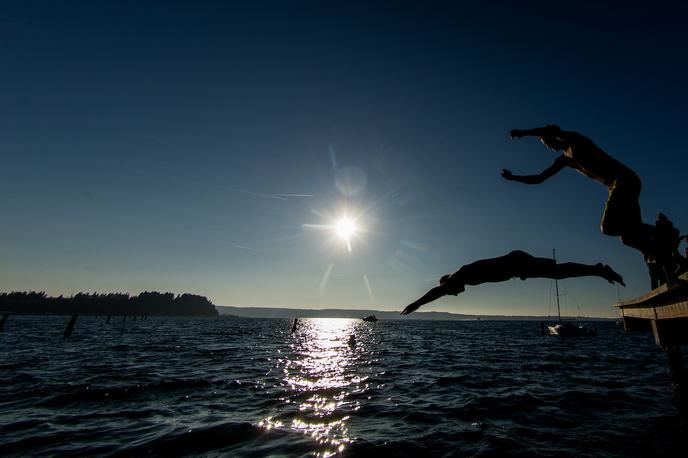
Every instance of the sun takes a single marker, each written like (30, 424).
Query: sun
(345, 227)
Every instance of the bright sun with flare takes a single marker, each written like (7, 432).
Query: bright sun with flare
(345, 228)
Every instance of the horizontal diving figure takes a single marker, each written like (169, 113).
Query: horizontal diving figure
(517, 264)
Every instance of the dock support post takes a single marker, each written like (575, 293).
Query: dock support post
(3, 320)
(124, 318)
(70, 326)
(679, 381)
(108, 319)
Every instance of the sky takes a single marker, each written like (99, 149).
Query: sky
(210, 147)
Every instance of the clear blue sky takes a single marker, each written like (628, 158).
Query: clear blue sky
(159, 145)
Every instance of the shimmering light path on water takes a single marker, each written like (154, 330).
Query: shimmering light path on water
(245, 387)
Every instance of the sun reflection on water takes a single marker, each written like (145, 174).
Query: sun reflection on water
(319, 375)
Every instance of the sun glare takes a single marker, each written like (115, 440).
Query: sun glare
(345, 228)
(342, 228)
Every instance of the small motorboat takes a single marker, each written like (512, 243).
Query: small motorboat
(370, 318)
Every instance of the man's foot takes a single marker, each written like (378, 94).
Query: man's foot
(608, 274)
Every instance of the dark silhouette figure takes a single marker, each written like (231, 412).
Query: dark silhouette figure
(657, 275)
(622, 217)
(293, 327)
(515, 264)
(352, 341)
(666, 249)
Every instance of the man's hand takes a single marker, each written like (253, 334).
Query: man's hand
(410, 308)
(516, 133)
(506, 174)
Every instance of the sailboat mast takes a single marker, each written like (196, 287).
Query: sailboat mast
(556, 287)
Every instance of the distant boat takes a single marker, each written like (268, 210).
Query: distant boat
(569, 328)
(566, 328)
(370, 318)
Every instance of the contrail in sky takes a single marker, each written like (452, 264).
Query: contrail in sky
(269, 196)
(293, 195)
(276, 196)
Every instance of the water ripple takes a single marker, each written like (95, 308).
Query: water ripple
(244, 387)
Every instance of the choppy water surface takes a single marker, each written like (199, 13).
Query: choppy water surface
(248, 387)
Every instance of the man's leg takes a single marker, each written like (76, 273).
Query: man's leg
(547, 268)
(641, 237)
(622, 209)
(573, 269)
(654, 275)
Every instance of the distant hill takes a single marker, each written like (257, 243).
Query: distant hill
(272, 312)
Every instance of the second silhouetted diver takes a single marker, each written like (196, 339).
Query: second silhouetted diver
(621, 216)
(517, 264)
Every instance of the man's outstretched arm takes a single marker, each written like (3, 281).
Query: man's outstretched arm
(547, 131)
(558, 164)
(433, 294)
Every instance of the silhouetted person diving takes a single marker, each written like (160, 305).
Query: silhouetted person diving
(622, 217)
(517, 264)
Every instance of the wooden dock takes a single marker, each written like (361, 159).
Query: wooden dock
(664, 312)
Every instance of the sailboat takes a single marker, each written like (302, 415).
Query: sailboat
(566, 328)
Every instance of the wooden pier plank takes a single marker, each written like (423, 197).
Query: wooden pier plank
(663, 303)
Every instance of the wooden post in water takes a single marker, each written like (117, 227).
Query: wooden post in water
(134, 318)
(108, 319)
(70, 326)
(3, 320)
(679, 380)
(124, 318)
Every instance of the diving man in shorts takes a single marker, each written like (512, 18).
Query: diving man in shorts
(622, 217)
(517, 264)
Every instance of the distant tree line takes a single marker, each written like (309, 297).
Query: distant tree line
(146, 303)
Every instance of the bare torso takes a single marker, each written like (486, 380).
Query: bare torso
(590, 160)
(495, 270)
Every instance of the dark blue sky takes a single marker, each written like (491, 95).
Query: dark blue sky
(150, 145)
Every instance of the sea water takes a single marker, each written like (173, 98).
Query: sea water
(250, 387)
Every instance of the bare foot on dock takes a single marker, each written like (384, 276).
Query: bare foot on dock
(608, 274)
